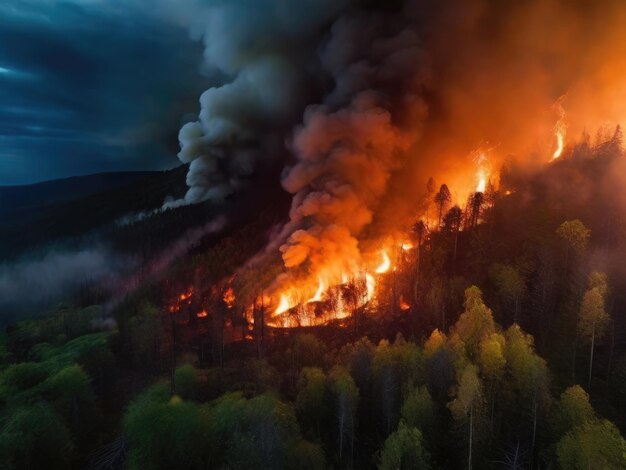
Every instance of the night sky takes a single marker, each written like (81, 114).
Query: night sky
(92, 85)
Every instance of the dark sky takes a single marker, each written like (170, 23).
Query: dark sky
(91, 85)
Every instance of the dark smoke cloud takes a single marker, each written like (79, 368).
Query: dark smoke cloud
(365, 100)
(262, 51)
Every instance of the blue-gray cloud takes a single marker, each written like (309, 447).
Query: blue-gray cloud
(91, 85)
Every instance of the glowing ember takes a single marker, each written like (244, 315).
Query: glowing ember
(385, 265)
(403, 304)
(229, 297)
(180, 301)
(406, 246)
(202, 314)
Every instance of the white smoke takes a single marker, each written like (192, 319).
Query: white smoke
(262, 50)
(39, 282)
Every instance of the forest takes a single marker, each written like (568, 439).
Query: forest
(507, 352)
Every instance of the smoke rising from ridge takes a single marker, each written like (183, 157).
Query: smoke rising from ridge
(261, 50)
(364, 101)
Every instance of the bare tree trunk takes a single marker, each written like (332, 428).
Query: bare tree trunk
(516, 456)
(593, 339)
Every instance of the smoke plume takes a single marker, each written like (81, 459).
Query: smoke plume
(261, 51)
(363, 101)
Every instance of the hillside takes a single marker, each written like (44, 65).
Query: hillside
(55, 192)
(36, 215)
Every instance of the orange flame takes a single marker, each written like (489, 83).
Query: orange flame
(283, 305)
(482, 181)
(370, 284)
(559, 132)
(482, 173)
(229, 297)
(180, 301)
(319, 293)
(384, 266)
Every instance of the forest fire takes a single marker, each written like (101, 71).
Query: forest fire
(482, 174)
(283, 306)
(396, 237)
(355, 167)
(559, 130)
(229, 297)
(335, 298)
(182, 300)
(384, 266)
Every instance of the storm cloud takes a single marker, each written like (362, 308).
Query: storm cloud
(89, 86)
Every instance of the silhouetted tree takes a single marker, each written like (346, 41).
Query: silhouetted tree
(442, 199)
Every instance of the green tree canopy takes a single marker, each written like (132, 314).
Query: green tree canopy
(186, 382)
(403, 450)
(475, 322)
(35, 437)
(312, 399)
(418, 410)
(596, 445)
(572, 410)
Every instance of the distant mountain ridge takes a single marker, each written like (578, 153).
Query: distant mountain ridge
(59, 191)
(34, 215)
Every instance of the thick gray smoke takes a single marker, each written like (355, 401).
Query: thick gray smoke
(261, 51)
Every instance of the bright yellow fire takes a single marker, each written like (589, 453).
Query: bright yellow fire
(370, 284)
(283, 305)
(481, 186)
(384, 266)
(321, 288)
(559, 130)
(482, 173)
